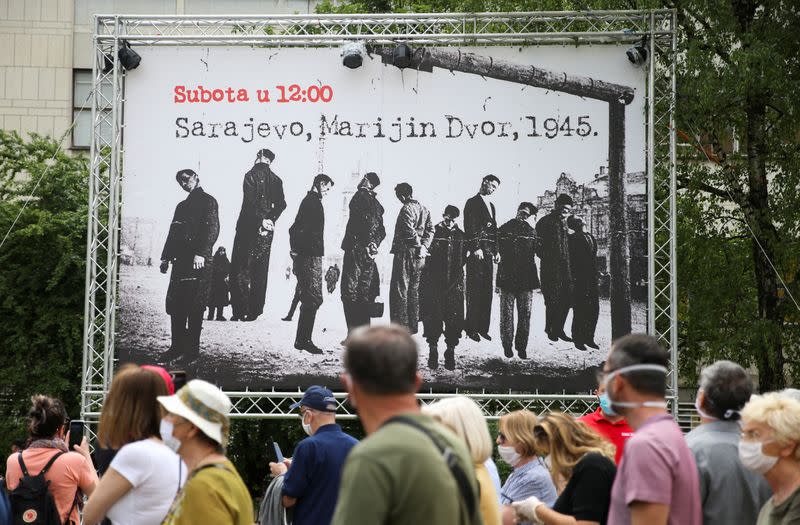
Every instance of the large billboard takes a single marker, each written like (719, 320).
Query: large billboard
(491, 199)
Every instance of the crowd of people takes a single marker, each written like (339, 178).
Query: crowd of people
(627, 463)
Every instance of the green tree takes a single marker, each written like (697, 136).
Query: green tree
(42, 277)
(737, 78)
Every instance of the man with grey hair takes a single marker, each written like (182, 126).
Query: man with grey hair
(729, 492)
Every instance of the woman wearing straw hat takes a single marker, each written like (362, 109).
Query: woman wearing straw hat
(196, 426)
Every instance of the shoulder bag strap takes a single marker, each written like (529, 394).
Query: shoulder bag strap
(450, 459)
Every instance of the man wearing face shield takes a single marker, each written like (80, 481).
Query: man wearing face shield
(311, 476)
(307, 249)
(657, 481)
(730, 493)
(556, 274)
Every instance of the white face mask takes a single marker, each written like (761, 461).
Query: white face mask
(629, 404)
(509, 454)
(753, 458)
(165, 429)
(306, 426)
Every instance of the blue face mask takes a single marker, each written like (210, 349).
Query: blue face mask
(605, 405)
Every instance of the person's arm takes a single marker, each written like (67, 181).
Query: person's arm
(109, 490)
(297, 477)
(647, 513)
(87, 480)
(427, 234)
(404, 231)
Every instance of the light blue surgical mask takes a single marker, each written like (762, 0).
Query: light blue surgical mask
(605, 405)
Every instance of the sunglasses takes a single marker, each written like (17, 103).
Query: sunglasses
(502, 437)
(540, 433)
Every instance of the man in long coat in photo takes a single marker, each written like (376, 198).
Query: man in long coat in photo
(585, 293)
(306, 240)
(556, 276)
(192, 234)
(363, 234)
(262, 204)
(442, 289)
(517, 278)
(413, 234)
(480, 228)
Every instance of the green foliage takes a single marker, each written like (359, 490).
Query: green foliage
(737, 78)
(42, 278)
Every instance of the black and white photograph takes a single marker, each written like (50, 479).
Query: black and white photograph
(492, 200)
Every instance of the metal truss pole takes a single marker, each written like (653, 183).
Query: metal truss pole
(468, 29)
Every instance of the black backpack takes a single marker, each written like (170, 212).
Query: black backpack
(32, 502)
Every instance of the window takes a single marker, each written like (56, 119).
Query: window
(82, 109)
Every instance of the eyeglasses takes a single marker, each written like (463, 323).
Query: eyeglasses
(502, 437)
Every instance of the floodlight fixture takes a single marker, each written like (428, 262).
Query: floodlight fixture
(637, 55)
(353, 54)
(401, 56)
(129, 58)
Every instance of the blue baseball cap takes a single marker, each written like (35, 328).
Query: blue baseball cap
(318, 398)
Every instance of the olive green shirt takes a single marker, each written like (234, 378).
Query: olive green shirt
(787, 513)
(397, 476)
(215, 494)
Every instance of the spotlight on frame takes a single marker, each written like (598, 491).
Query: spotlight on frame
(401, 56)
(637, 55)
(353, 54)
(129, 58)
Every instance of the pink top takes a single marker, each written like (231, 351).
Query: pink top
(66, 475)
(657, 467)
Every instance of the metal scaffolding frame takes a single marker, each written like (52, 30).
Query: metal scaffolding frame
(656, 28)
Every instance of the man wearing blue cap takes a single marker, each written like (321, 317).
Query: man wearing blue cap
(311, 476)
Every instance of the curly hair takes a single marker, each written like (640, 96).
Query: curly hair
(568, 441)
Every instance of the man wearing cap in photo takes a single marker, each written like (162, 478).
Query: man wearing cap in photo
(262, 205)
(556, 277)
(307, 247)
(442, 289)
(413, 233)
(480, 228)
(362, 236)
(196, 426)
(585, 292)
(190, 241)
(311, 476)
(517, 278)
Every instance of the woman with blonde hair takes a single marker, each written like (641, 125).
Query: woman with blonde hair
(582, 464)
(517, 447)
(770, 446)
(145, 475)
(461, 415)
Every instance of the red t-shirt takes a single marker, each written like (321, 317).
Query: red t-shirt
(617, 433)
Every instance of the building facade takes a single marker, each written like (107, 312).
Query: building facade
(591, 204)
(46, 58)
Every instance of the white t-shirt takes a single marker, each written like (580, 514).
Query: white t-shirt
(156, 473)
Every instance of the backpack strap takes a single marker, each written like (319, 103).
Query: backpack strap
(46, 467)
(450, 459)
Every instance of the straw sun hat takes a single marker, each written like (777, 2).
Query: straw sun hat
(204, 405)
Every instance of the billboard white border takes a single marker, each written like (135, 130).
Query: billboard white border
(655, 27)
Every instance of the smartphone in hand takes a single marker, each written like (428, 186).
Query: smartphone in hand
(278, 454)
(75, 434)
